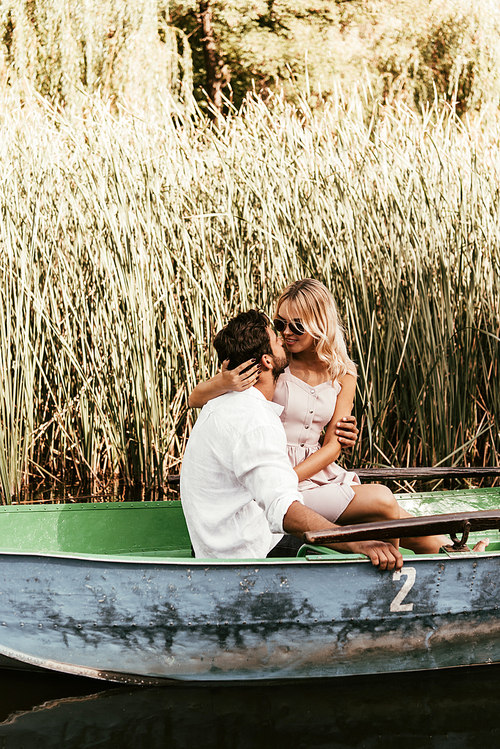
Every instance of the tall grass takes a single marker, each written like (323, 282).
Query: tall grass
(126, 243)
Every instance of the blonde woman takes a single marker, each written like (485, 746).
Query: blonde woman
(317, 393)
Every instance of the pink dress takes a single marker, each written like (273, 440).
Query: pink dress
(306, 411)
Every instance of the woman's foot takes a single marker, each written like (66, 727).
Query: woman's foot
(481, 545)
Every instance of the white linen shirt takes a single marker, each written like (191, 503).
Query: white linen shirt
(236, 480)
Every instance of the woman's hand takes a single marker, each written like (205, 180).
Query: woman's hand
(347, 431)
(237, 379)
(224, 381)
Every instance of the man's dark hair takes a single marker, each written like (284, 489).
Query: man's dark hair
(245, 337)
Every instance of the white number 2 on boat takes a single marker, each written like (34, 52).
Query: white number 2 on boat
(410, 573)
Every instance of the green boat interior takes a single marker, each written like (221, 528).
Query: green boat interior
(158, 529)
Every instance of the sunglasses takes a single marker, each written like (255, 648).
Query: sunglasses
(296, 326)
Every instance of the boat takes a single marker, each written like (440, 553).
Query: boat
(110, 590)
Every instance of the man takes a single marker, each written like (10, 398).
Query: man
(239, 492)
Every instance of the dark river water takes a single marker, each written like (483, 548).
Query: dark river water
(450, 709)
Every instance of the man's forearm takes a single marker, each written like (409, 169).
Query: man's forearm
(300, 519)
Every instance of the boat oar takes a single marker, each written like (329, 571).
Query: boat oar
(429, 525)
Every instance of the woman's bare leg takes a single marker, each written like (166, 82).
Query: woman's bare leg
(375, 502)
(422, 544)
(432, 544)
(371, 502)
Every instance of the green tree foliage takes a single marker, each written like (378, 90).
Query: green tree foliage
(113, 47)
(266, 44)
(448, 48)
(410, 49)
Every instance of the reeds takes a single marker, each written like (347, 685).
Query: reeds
(126, 243)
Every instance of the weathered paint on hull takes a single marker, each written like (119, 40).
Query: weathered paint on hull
(196, 620)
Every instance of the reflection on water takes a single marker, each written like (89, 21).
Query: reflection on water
(450, 709)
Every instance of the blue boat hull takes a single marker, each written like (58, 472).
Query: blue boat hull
(148, 620)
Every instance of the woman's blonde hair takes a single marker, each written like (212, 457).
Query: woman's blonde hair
(310, 302)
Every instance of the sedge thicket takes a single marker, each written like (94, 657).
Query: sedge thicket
(126, 243)
(131, 228)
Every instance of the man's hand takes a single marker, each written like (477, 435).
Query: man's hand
(347, 431)
(381, 554)
(299, 519)
(237, 379)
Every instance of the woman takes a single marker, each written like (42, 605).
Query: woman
(317, 392)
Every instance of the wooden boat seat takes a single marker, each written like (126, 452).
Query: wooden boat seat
(452, 523)
(409, 474)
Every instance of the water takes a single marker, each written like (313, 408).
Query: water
(451, 709)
